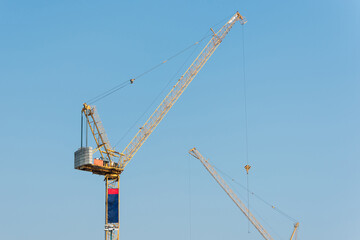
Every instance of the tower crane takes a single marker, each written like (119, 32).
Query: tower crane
(112, 163)
(195, 153)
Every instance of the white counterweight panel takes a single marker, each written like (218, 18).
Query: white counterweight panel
(83, 156)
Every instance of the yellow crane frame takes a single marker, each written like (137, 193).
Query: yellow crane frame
(115, 162)
(98, 132)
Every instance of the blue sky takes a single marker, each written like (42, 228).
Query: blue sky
(302, 71)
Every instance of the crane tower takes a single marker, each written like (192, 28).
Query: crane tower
(111, 163)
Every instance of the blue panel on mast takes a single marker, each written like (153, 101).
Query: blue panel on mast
(113, 205)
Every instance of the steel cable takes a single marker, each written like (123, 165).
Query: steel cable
(257, 196)
(129, 82)
(157, 97)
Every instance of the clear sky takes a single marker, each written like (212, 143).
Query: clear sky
(302, 73)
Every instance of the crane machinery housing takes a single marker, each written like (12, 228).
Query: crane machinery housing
(195, 153)
(111, 163)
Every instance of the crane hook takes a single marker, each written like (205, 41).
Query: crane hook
(247, 168)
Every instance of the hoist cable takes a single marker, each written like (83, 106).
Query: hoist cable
(156, 98)
(254, 210)
(82, 127)
(190, 197)
(172, 57)
(248, 196)
(223, 20)
(108, 92)
(258, 215)
(267, 224)
(129, 82)
(245, 99)
(246, 123)
(256, 195)
(206, 35)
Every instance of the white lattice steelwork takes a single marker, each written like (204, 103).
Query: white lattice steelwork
(103, 144)
(195, 153)
(101, 130)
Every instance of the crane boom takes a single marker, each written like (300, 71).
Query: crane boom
(176, 91)
(195, 153)
(296, 225)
